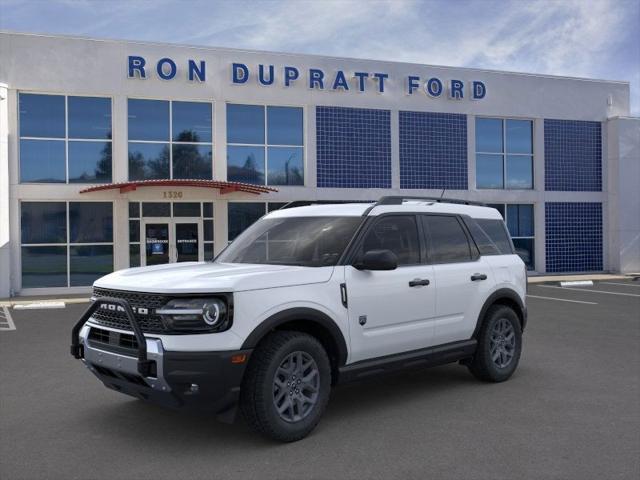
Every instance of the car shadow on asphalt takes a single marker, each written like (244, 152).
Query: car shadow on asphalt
(159, 427)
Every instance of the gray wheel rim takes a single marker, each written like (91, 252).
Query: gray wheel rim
(295, 386)
(502, 343)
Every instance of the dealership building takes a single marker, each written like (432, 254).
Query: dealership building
(116, 154)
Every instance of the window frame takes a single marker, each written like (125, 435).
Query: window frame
(504, 154)
(170, 142)
(66, 139)
(67, 243)
(266, 145)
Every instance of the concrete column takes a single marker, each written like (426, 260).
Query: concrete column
(311, 159)
(5, 244)
(219, 143)
(471, 155)
(120, 153)
(220, 226)
(540, 250)
(395, 149)
(623, 194)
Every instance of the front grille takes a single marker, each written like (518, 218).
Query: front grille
(111, 340)
(149, 323)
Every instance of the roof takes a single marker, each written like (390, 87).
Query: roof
(223, 187)
(413, 206)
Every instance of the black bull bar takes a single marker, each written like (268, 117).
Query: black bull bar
(144, 365)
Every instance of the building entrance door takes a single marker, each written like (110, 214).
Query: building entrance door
(170, 240)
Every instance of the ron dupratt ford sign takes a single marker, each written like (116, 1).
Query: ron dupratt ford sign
(314, 78)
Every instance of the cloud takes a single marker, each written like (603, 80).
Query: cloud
(589, 38)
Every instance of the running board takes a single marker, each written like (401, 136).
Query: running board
(425, 357)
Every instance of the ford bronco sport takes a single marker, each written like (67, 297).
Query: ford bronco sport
(308, 297)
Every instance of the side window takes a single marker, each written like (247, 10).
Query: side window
(448, 242)
(398, 234)
(497, 233)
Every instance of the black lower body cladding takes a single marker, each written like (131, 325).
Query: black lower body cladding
(203, 380)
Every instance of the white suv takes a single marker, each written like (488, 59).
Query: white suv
(308, 297)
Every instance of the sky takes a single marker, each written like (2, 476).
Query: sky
(579, 38)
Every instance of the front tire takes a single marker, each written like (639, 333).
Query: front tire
(499, 345)
(286, 387)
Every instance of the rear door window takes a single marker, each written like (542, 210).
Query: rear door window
(447, 241)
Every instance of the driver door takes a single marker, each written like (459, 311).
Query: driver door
(391, 311)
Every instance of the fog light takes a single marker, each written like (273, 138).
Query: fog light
(194, 388)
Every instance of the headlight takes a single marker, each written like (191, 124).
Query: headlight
(196, 315)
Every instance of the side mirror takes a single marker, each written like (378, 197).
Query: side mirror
(377, 260)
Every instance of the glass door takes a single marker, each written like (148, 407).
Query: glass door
(156, 242)
(188, 240)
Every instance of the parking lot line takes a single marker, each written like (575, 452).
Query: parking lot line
(6, 322)
(622, 284)
(591, 290)
(561, 299)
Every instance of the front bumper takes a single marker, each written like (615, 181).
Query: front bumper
(205, 380)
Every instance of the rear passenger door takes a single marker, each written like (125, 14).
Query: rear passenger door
(462, 277)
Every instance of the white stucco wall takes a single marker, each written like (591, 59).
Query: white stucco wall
(623, 157)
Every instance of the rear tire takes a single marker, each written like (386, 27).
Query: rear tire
(286, 387)
(499, 345)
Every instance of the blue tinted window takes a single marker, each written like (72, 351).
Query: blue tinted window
(148, 120)
(207, 210)
(42, 161)
(89, 162)
(245, 124)
(489, 171)
(41, 115)
(44, 267)
(284, 126)
(519, 171)
(489, 135)
(519, 136)
(134, 255)
(148, 161)
(90, 222)
(245, 164)
(89, 117)
(43, 222)
(156, 209)
(208, 230)
(524, 249)
(185, 209)
(88, 263)
(242, 215)
(191, 122)
(286, 166)
(520, 220)
(192, 161)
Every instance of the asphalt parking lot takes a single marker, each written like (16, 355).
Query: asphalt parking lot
(572, 411)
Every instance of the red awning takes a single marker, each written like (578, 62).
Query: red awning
(224, 187)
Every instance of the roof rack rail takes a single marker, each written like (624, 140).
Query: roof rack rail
(306, 203)
(399, 199)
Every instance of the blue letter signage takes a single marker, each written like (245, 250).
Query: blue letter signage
(342, 81)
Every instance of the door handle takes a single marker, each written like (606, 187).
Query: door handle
(419, 282)
(478, 276)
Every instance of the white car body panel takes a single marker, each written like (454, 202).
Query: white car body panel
(399, 318)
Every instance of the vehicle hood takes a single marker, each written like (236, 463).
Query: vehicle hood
(197, 277)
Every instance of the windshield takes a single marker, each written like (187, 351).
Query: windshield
(305, 241)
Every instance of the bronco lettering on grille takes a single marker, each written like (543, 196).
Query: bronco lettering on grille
(118, 308)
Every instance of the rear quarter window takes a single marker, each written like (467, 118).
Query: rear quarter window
(490, 236)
